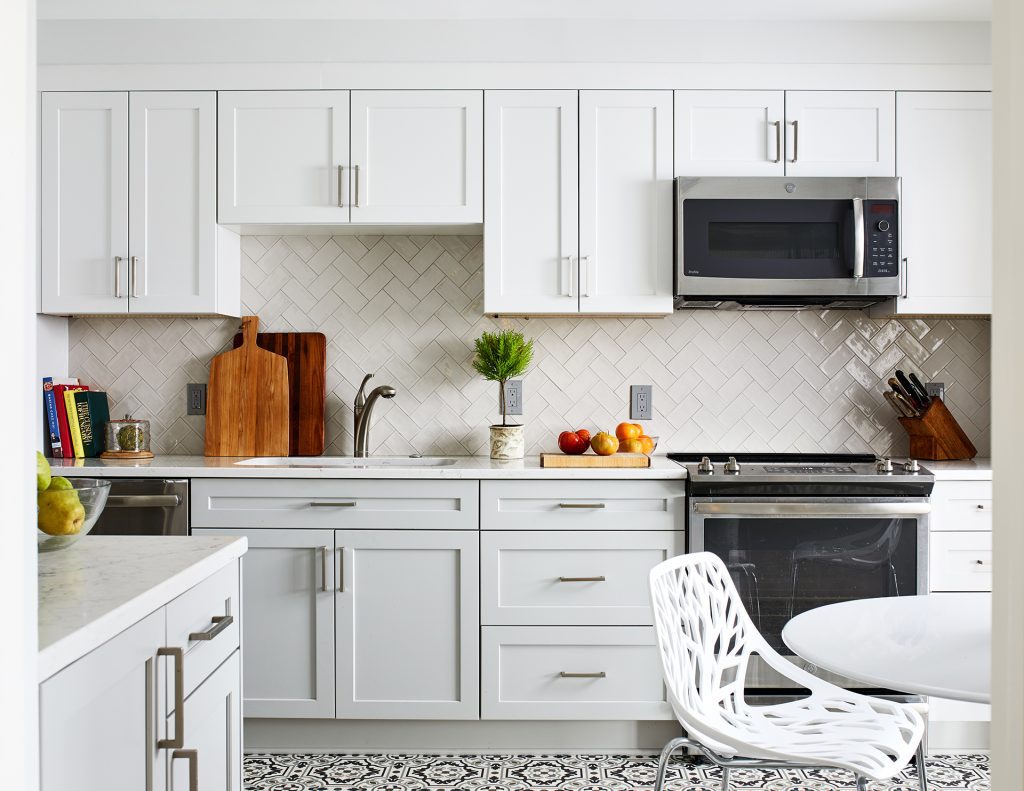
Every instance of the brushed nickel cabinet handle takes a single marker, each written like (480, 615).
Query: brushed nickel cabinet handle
(319, 504)
(143, 501)
(778, 141)
(586, 269)
(135, 276)
(582, 579)
(192, 756)
(357, 187)
(179, 698)
(117, 276)
(341, 199)
(220, 623)
(323, 569)
(565, 284)
(341, 569)
(796, 140)
(598, 674)
(581, 505)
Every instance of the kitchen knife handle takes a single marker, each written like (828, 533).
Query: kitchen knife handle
(858, 236)
(894, 401)
(910, 389)
(914, 380)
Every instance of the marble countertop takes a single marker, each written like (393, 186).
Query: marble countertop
(971, 470)
(464, 468)
(101, 585)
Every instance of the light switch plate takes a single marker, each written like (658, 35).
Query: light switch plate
(513, 397)
(641, 406)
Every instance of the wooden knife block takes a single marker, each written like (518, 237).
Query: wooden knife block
(936, 435)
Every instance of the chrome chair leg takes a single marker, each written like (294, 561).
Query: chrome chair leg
(922, 772)
(725, 778)
(862, 783)
(663, 759)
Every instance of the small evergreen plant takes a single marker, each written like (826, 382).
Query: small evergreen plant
(501, 356)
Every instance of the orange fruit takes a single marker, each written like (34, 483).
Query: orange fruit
(647, 443)
(632, 445)
(628, 431)
(604, 444)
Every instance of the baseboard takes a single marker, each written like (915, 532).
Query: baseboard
(958, 737)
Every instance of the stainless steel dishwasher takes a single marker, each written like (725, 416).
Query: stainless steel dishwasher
(144, 507)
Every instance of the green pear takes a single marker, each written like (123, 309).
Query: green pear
(42, 472)
(61, 512)
(59, 484)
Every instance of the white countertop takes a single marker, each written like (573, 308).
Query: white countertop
(101, 585)
(464, 468)
(970, 470)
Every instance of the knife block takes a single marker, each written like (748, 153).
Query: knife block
(936, 436)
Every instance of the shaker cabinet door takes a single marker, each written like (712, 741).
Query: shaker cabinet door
(729, 133)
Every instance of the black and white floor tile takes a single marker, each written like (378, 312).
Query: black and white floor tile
(388, 772)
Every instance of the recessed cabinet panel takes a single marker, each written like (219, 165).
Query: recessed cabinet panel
(417, 156)
(840, 133)
(729, 133)
(84, 161)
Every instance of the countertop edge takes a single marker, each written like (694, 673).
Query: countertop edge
(64, 652)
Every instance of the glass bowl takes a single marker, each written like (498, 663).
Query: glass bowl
(655, 446)
(69, 514)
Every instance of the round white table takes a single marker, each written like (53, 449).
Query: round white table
(939, 644)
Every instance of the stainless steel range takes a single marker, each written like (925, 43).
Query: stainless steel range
(799, 531)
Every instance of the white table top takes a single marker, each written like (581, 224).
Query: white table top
(939, 644)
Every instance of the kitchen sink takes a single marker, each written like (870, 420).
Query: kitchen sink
(347, 461)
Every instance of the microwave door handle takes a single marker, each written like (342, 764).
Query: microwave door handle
(858, 238)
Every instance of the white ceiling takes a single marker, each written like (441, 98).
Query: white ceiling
(745, 10)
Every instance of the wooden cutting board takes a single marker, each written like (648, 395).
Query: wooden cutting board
(247, 400)
(306, 353)
(592, 460)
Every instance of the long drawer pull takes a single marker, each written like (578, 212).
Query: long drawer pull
(179, 698)
(323, 569)
(581, 505)
(582, 579)
(598, 674)
(220, 623)
(318, 504)
(143, 501)
(192, 756)
(341, 569)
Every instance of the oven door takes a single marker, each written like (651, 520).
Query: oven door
(788, 555)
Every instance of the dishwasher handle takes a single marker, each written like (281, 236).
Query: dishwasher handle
(812, 509)
(143, 501)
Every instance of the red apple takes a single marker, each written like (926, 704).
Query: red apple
(574, 442)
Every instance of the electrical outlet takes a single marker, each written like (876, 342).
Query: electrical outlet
(936, 389)
(641, 406)
(195, 399)
(513, 397)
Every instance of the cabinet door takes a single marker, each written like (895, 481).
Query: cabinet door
(213, 729)
(288, 638)
(417, 156)
(282, 156)
(625, 202)
(84, 186)
(531, 206)
(729, 133)
(98, 717)
(840, 133)
(173, 208)
(944, 155)
(408, 624)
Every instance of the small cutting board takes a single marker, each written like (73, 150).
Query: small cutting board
(592, 460)
(306, 353)
(247, 400)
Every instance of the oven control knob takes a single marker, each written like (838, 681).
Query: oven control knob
(732, 465)
(884, 464)
(706, 466)
(883, 225)
(911, 465)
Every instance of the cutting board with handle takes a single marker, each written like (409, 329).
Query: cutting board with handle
(247, 400)
(306, 353)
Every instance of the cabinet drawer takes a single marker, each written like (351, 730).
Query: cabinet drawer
(574, 673)
(335, 504)
(582, 505)
(571, 577)
(961, 561)
(962, 505)
(193, 613)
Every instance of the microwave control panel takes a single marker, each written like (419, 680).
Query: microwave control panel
(881, 251)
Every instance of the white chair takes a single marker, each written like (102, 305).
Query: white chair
(706, 640)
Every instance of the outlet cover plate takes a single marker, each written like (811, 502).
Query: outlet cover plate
(641, 406)
(195, 399)
(936, 389)
(513, 397)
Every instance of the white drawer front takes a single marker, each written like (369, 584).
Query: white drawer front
(550, 672)
(962, 505)
(961, 561)
(335, 504)
(945, 710)
(582, 505)
(193, 613)
(571, 577)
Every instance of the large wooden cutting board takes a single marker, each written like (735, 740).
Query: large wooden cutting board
(306, 353)
(593, 461)
(247, 400)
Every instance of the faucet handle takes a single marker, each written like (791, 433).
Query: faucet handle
(360, 395)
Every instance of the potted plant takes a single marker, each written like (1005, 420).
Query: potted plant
(501, 356)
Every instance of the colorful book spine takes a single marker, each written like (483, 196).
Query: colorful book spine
(62, 414)
(93, 414)
(52, 423)
(75, 430)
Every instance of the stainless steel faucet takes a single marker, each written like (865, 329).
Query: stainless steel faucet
(362, 409)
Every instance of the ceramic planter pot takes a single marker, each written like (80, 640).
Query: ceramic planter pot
(507, 442)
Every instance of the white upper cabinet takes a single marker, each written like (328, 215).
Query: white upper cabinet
(625, 201)
(84, 190)
(944, 158)
(283, 157)
(840, 133)
(729, 133)
(129, 206)
(417, 157)
(531, 167)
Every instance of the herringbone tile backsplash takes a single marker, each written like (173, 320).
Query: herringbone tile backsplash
(408, 309)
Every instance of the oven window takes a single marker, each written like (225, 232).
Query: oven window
(774, 241)
(784, 566)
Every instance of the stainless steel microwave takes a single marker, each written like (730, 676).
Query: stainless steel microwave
(787, 242)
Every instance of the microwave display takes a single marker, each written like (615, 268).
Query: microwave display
(774, 240)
